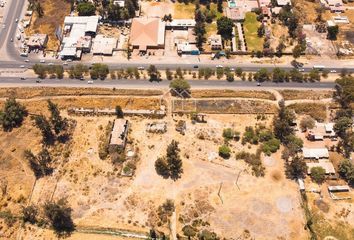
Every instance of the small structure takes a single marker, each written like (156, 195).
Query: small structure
(156, 127)
(187, 48)
(215, 42)
(339, 192)
(321, 131)
(181, 127)
(180, 24)
(281, 3)
(120, 3)
(301, 183)
(235, 14)
(104, 45)
(119, 134)
(199, 117)
(315, 153)
(37, 41)
(326, 165)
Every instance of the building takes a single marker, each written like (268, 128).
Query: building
(315, 153)
(180, 24)
(321, 131)
(120, 3)
(104, 45)
(147, 33)
(235, 14)
(335, 6)
(119, 133)
(215, 42)
(264, 3)
(37, 41)
(187, 48)
(78, 32)
(281, 3)
(326, 165)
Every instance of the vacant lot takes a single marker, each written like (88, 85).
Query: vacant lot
(254, 43)
(311, 95)
(54, 14)
(183, 11)
(232, 94)
(315, 110)
(32, 92)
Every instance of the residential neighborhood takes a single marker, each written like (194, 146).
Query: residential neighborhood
(198, 120)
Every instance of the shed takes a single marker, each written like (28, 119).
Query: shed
(315, 153)
(327, 166)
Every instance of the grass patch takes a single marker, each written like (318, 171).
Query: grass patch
(211, 29)
(54, 14)
(254, 43)
(232, 94)
(311, 95)
(315, 110)
(182, 11)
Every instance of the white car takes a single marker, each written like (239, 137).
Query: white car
(50, 64)
(232, 69)
(141, 68)
(26, 60)
(65, 63)
(42, 61)
(89, 82)
(16, 20)
(22, 66)
(333, 71)
(219, 66)
(301, 70)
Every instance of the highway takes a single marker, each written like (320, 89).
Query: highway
(13, 59)
(145, 84)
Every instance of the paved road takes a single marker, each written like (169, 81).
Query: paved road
(144, 84)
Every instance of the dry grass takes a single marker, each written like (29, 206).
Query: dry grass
(311, 95)
(315, 110)
(32, 92)
(232, 94)
(183, 11)
(38, 106)
(306, 10)
(54, 14)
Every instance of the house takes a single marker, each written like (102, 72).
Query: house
(187, 48)
(326, 165)
(37, 41)
(335, 6)
(147, 33)
(118, 138)
(104, 45)
(281, 3)
(321, 131)
(78, 32)
(180, 24)
(315, 153)
(215, 42)
(120, 3)
(264, 3)
(276, 10)
(235, 14)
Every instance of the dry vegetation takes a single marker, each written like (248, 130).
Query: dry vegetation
(54, 14)
(315, 110)
(306, 10)
(310, 94)
(232, 94)
(32, 92)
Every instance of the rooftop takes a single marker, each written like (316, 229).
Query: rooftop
(147, 32)
(315, 153)
(118, 133)
(327, 166)
(104, 45)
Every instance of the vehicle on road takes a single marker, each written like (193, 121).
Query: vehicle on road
(38, 81)
(42, 61)
(22, 66)
(18, 36)
(82, 78)
(301, 70)
(16, 20)
(232, 69)
(24, 54)
(90, 82)
(69, 60)
(11, 39)
(26, 60)
(258, 84)
(296, 64)
(195, 66)
(318, 67)
(50, 64)
(23, 78)
(219, 66)
(141, 68)
(65, 63)
(333, 71)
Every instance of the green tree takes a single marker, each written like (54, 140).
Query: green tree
(154, 74)
(238, 71)
(119, 112)
(174, 160)
(262, 75)
(314, 75)
(59, 216)
(40, 164)
(282, 123)
(180, 85)
(169, 74)
(332, 32)
(59, 124)
(297, 51)
(278, 75)
(342, 125)
(99, 70)
(40, 70)
(224, 151)
(271, 146)
(29, 214)
(161, 167)
(307, 123)
(295, 75)
(225, 25)
(12, 115)
(44, 126)
(318, 174)
(346, 170)
(297, 168)
(189, 231)
(86, 9)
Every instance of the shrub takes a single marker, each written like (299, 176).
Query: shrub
(318, 174)
(224, 151)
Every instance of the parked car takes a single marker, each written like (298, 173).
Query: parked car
(23, 78)
(38, 81)
(258, 84)
(26, 60)
(42, 61)
(22, 66)
(90, 82)
(195, 66)
(333, 71)
(141, 68)
(219, 66)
